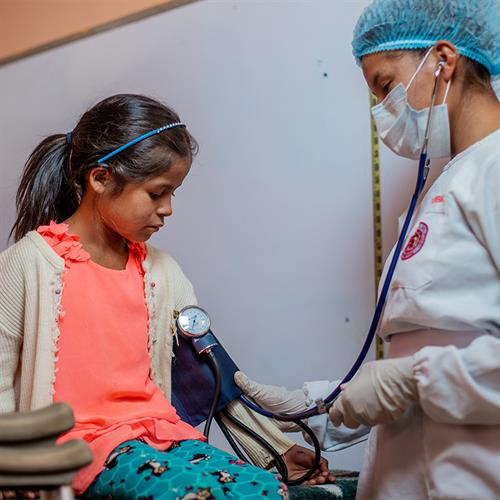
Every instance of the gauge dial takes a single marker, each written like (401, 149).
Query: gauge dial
(193, 321)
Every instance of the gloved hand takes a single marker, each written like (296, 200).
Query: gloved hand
(274, 399)
(380, 393)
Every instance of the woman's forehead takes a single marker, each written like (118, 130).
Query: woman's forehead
(382, 64)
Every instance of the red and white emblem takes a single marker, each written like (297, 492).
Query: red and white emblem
(416, 241)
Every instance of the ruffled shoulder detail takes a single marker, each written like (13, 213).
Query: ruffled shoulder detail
(69, 247)
(66, 245)
(138, 250)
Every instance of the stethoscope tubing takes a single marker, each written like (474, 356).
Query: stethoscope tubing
(423, 169)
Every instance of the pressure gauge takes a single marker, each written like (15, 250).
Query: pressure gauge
(193, 322)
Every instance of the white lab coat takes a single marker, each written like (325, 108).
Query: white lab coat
(446, 296)
(444, 309)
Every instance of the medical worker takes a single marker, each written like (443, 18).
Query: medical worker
(434, 404)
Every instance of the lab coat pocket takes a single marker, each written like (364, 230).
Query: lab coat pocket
(417, 263)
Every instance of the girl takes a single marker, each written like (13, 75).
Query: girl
(435, 404)
(87, 309)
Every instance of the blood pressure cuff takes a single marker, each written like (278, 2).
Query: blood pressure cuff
(193, 382)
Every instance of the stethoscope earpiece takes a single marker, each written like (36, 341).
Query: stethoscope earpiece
(439, 68)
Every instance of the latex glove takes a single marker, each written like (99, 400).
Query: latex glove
(274, 399)
(380, 393)
(330, 437)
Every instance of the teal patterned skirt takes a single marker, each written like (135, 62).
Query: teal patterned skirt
(190, 470)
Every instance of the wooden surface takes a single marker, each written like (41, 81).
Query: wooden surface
(28, 27)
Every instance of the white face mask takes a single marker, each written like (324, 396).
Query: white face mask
(402, 128)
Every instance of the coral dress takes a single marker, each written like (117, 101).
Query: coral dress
(103, 365)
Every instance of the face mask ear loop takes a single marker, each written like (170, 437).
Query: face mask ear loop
(431, 108)
(419, 68)
(446, 91)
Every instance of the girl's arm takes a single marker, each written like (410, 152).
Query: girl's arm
(9, 355)
(10, 327)
(261, 425)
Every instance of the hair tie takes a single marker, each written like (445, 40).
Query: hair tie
(69, 138)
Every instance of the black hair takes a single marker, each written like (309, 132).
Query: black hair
(54, 177)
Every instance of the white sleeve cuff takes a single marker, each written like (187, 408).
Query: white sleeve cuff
(331, 438)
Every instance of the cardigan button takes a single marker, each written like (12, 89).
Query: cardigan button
(153, 284)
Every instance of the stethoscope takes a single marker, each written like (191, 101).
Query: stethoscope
(194, 323)
(323, 405)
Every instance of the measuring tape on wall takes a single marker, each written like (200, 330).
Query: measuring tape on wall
(377, 216)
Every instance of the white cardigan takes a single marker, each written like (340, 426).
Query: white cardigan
(30, 296)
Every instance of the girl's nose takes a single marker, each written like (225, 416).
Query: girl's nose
(165, 209)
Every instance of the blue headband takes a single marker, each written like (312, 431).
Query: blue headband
(139, 139)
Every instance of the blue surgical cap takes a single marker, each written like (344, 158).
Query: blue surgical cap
(473, 26)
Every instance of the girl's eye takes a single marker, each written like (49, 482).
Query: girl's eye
(386, 88)
(157, 196)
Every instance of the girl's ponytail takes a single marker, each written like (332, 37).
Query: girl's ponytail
(46, 192)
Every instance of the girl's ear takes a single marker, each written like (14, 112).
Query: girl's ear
(99, 180)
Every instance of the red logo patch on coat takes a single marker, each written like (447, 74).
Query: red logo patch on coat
(416, 241)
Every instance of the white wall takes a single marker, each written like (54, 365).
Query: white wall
(274, 224)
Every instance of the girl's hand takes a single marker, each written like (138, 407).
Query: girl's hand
(299, 460)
